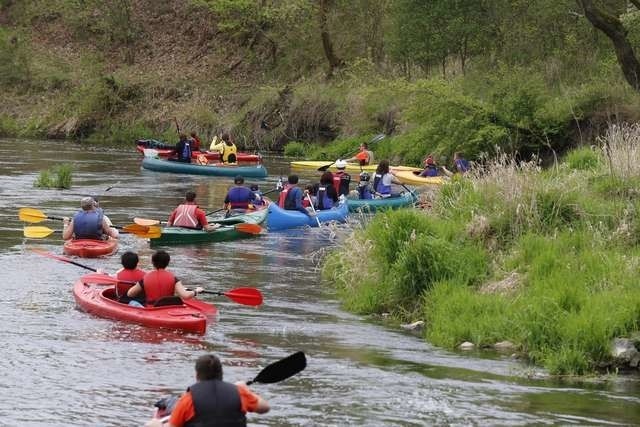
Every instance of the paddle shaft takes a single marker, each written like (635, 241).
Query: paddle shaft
(313, 209)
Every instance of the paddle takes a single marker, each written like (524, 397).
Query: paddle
(63, 259)
(244, 296)
(275, 372)
(378, 137)
(35, 215)
(313, 209)
(40, 232)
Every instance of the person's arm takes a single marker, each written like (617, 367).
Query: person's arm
(108, 230)
(250, 401)
(201, 216)
(297, 196)
(134, 291)
(67, 229)
(187, 294)
(172, 218)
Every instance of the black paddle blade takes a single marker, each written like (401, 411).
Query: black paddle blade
(282, 369)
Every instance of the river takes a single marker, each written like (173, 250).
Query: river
(63, 367)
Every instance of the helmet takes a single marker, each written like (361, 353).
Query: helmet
(364, 176)
(341, 164)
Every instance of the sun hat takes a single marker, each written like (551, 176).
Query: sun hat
(341, 164)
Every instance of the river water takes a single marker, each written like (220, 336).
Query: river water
(61, 366)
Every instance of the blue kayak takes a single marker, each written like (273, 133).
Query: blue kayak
(371, 205)
(281, 219)
(247, 171)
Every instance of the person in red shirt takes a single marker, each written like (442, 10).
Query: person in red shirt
(160, 282)
(195, 142)
(189, 215)
(364, 157)
(129, 273)
(212, 401)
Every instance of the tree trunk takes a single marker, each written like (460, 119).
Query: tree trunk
(612, 27)
(334, 61)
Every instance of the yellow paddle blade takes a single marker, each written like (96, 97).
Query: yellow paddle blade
(31, 215)
(37, 232)
(146, 221)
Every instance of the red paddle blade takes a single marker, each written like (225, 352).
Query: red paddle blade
(249, 228)
(246, 296)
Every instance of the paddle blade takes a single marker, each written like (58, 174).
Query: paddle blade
(148, 232)
(282, 369)
(37, 232)
(325, 167)
(31, 215)
(245, 296)
(146, 222)
(249, 228)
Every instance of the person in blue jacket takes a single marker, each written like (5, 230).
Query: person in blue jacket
(239, 196)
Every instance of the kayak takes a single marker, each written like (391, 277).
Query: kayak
(166, 150)
(281, 219)
(90, 248)
(371, 205)
(414, 178)
(352, 167)
(226, 232)
(219, 169)
(100, 301)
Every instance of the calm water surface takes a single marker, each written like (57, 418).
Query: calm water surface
(63, 367)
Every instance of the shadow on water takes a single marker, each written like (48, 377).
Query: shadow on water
(64, 367)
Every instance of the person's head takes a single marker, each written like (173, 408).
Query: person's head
(226, 137)
(190, 196)
(326, 178)
(364, 177)
(160, 259)
(364, 146)
(341, 164)
(254, 187)
(293, 179)
(383, 167)
(457, 155)
(87, 203)
(208, 367)
(238, 180)
(129, 260)
(193, 135)
(428, 160)
(183, 136)
(310, 189)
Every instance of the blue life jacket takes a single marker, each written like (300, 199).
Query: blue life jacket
(364, 192)
(462, 165)
(186, 150)
(430, 170)
(239, 197)
(378, 186)
(324, 201)
(88, 224)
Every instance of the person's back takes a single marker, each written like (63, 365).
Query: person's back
(341, 179)
(239, 196)
(195, 142)
(364, 190)
(188, 214)
(462, 165)
(128, 273)
(326, 194)
(88, 223)
(183, 149)
(291, 196)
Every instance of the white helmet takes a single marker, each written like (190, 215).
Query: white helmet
(341, 164)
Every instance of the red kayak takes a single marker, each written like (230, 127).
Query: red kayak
(100, 301)
(165, 151)
(89, 248)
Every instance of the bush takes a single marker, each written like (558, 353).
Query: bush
(55, 177)
(295, 149)
(583, 158)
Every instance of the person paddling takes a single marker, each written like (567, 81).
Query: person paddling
(88, 223)
(129, 273)
(212, 401)
(183, 150)
(364, 157)
(239, 196)
(341, 179)
(291, 196)
(227, 148)
(189, 215)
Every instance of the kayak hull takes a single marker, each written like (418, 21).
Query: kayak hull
(226, 232)
(97, 300)
(90, 248)
(412, 178)
(159, 146)
(281, 219)
(372, 205)
(351, 167)
(160, 165)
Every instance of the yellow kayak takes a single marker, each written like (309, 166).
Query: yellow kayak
(414, 178)
(351, 167)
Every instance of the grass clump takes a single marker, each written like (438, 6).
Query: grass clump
(55, 177)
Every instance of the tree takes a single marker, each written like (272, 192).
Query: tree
(611, 26)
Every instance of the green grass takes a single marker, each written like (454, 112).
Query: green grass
(59, 177)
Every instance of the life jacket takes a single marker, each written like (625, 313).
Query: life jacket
(186, 151)
(324, 201)
(257, 198)
(88, 225)
(239, 197)
(341, 181)
(286, 201)
(158, 284)
(462, 165)
(125, 275)
(216, 403)
(379, 187)
(186, 216)
(430, 170)
(229, 153)
(363, 157)
(364, 191)
(201, 159)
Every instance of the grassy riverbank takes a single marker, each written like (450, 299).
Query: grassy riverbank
(545, 259)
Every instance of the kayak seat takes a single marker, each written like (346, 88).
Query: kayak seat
(171, 300)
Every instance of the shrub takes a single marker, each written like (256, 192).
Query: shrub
(584, 158)
(295, 149)
(55, 177)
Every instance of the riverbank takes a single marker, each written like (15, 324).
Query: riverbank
(546, 260)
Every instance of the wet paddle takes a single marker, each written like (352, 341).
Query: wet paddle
(40, 232)
(63, 259)
(315, 214)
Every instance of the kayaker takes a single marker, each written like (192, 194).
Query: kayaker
(341, 179)
(364, 189)
(430, 167)
(160, 282)
(326, 194)
(189, 215)
(128, 273)
(291, 196)
(183, 150)
(258, 199)
(364, 157)
(212, 401)
(88, 223)
(226, 147)
(238, 196)
(383, 179)
(461, 164)
(195, 142)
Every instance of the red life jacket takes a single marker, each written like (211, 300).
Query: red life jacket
(341, 182)
(283, 195)
(158, 284)
(128, 276)
(186, 216)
